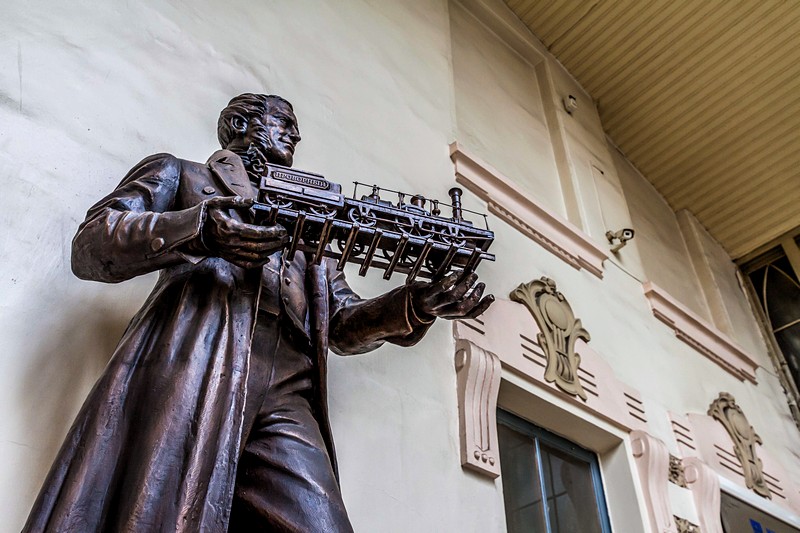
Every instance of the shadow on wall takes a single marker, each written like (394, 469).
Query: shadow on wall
(63, 368)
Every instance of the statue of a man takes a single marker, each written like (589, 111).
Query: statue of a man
(211, 414)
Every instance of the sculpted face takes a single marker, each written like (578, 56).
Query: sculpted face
(275, 134)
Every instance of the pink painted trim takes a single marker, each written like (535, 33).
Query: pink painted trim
(508, 330)
(504, 199)
(699, 334)
(716, 449)
(478, 384)
(704, 484)
(652, 462)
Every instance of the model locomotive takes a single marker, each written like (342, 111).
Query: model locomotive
(399, 236)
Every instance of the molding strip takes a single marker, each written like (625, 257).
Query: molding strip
(699, 334)
(551, 231)
(478, 379)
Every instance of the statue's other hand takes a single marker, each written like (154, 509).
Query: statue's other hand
(245, 245)
(454, 296)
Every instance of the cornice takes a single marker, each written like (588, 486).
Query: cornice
(524, 213)
(699, 334)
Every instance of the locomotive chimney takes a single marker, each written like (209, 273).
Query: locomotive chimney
(455, 196)
(376, 195)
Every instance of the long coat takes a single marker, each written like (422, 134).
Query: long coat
(156, 444)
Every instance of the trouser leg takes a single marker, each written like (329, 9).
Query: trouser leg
(285, 481)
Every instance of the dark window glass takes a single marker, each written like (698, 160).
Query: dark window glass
(779, 294)
(740, 517)
(550, 485)
(571, 497)
(522, 490)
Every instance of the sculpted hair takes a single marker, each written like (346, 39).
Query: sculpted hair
(240, 110)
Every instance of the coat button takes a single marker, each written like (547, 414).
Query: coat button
(209, 190)
(287, 281)
(157, 244)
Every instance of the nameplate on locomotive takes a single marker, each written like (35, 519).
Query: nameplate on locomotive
(306, 179)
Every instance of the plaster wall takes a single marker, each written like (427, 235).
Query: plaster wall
(499, 108)
(604, 206)
(659, 240)
(716, 273)
(380, 90)
(599, 193)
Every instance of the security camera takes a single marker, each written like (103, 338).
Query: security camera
(570, 103)
(622, 236)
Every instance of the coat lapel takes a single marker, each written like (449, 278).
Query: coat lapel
(229, 170)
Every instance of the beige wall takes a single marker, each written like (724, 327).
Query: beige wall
(499, 108)
(380, 90)
(659, 241)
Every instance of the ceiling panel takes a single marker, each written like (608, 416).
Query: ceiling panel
(703, 96)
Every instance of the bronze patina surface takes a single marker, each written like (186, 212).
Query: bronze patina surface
(211, 414)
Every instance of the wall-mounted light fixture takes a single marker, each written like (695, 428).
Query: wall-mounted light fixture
(570, 103)
(621, 237)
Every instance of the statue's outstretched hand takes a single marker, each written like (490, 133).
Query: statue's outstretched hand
(245, 245)
(454, 296)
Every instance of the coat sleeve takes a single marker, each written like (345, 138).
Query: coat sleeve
(358, 325)
(133, 231)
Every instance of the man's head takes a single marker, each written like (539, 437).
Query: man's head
(265, 121)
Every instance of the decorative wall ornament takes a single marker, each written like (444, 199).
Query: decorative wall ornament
(559, 332)
(725, 410)
(684, 526)
(704, 484)
(478, 379)
(676, 474)
(652, 462)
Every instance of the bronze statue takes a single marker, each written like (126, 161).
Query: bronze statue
(211, 414)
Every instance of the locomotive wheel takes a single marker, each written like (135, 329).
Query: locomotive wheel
(323, 210)
(454, 236)
(362, 216)
(422, 228)
(410, 256)
(389, 254)
(277, 200)
(358, 248)
(404, 224)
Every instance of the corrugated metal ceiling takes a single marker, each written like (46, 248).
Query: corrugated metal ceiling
(703, 96)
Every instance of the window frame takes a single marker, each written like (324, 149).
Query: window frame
(542, 435)
(788, 246)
